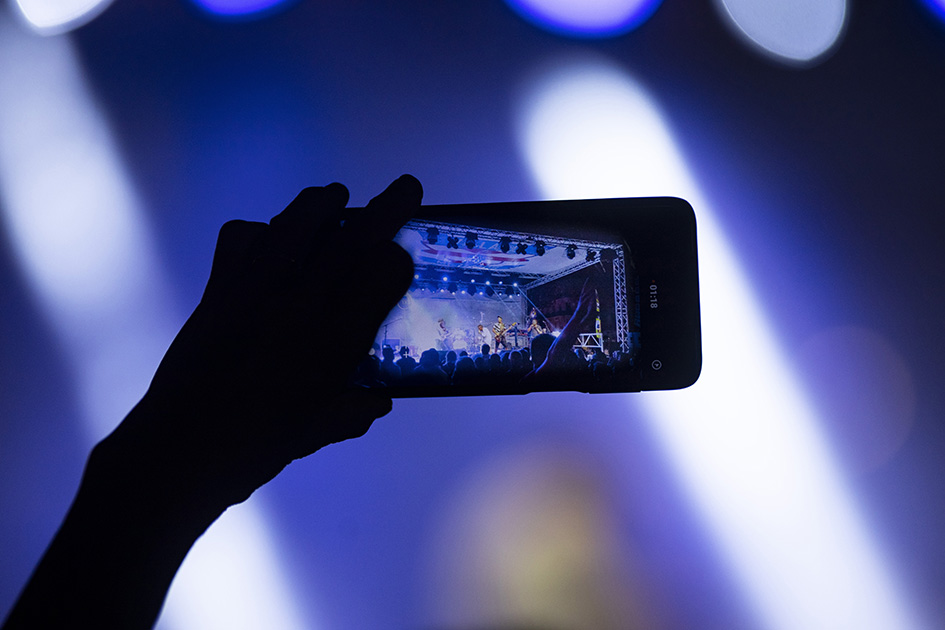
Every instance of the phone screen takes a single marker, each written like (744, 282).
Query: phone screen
(537, 296)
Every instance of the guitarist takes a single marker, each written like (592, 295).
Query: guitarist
(498, 333)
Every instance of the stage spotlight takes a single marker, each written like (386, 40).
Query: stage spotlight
(471, 238)
(433, 235)
(521, 248)
(446, 278)
(571, 250)
(540, 248)
(591, 255)
(504, 244)
(452, 242)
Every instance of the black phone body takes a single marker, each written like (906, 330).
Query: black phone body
(597, 295)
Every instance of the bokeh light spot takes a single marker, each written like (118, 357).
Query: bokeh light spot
(241, 8)
(865, 391)
(795, 32)
(587, 18)
(52, 18)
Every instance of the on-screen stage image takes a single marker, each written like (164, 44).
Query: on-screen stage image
(508, 310)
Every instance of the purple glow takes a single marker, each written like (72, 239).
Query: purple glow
(937, 7)
(590, 18)
(239, 8)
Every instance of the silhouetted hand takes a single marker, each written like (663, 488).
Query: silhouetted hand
(258, 376)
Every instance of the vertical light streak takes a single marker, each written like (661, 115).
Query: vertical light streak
(83, 245)
(744, 441)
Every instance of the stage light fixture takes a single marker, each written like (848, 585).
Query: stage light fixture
(452, 287)
(505, 244)
(446, 278)
(489, 291)
(509, 291)
(591, 256)
(521, 248)
(452, 242)
(540, 248)
(471, 238)
(433, 235)
(571, 251)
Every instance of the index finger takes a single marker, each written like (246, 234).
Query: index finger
(386, 213)
(315, 211)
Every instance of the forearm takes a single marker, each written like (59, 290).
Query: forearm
(115, 554)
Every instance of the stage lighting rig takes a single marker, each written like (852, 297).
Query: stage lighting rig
(452, 242)
(505, 244)
(433, 234)
(591, 256)
(540, 248)
(571, 251)
(521, 248)
(471, 238)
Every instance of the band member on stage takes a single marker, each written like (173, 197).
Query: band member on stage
(445, 338)
(537, 325)
(481, 337)
(498, 334)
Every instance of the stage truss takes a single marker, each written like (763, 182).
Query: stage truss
(526, 281)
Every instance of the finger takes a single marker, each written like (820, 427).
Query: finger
(313, 214)
(386, 213)
(233, 255)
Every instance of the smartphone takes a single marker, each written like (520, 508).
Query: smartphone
(596, 295)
